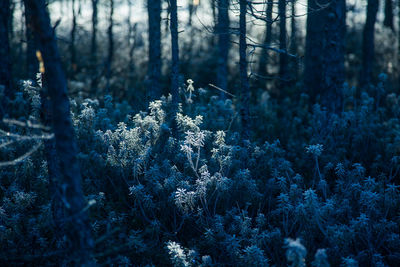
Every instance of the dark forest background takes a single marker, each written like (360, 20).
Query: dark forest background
(199, 133)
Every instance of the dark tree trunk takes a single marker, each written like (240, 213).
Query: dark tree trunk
(5, 60)
(93, 47)
(398, 41)
(388, 21)
(368, 44)
(175, 53)
(53, 167)
(77, 227)
(32, 65)
(293, 42)
(333, 59)
(214, 18)
(324, 61)
(283, 58)
(244, 79)
(190, 9)
(154, 70)
(223, 44)
(11, 21)
(214, 11)
(110, 53)
(131, 45)
(72, 49)
(263, 62)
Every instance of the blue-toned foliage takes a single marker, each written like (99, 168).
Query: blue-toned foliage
(319, 189)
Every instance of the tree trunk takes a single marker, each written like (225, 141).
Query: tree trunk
(77, 227)
(368, 44)
(154, 70)
(72, 50)
(214, 20)
(131, 46)
(110, 54)
(263, 62)
(5, 60)
(333, 58)
(283, 59)
(93, 47)
(324, 60)
(190, 9)
(32, 65)
(223, 44)
(11, 21)
(244, 79)
(398, 42)
(53, 167)
(388, 21)
(293, 42)
(175, 53)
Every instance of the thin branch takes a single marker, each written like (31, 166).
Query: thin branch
(21, 158)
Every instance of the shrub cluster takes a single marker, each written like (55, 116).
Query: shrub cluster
(311, 188)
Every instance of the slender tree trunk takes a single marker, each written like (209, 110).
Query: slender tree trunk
(110, 54)
(398, 42)
(154, 70)
(223, 44)
(244, 79)
(324, 61)
(11, 21)
(190, 9)
(293, 42)
(53, 166)
(263, 62)
(214, 19)
(5, 60)
(368, 44)
(388, 21)
(93, 47)
(283, 59)
(77, 227)
(175, 53)
(333, 59)
(32, 66)
(72, 49)
(313, 50)
(131, 45)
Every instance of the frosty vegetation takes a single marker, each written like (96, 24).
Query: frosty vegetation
(226, 152)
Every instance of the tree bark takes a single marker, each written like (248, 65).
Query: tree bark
(131, 46)
(263, 62)
(77, 227)
(175, 53)
(244, 79)
(5, 60)
(154, 70)
(283, 59)
(333, 58)
(53, 167)
(293, 42)
(110, 53)
(190, 9)
(398, 41)
(32, 65)
(368, 44)
(324, 60)
(72, 49)
(223, 44)
(388, 20)
(93, 47)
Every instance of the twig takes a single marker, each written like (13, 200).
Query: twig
(222, 90)
(21, 158)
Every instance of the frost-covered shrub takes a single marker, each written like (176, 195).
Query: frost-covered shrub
(185, 190)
